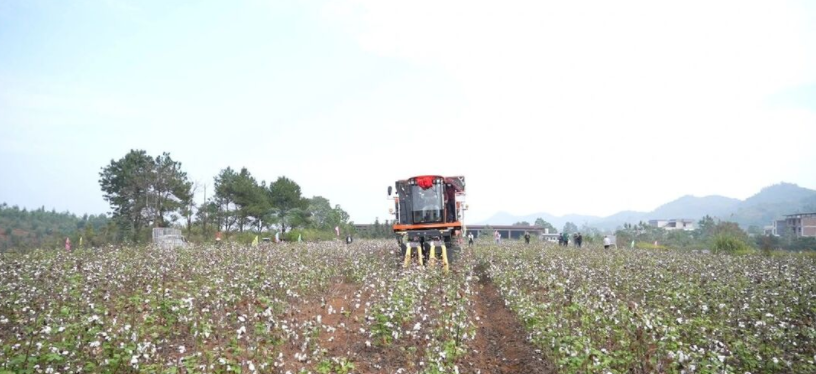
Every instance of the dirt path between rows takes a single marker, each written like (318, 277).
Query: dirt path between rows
(500, 345)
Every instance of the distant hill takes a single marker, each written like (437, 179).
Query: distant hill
(779, 193)
(772, 202)
(691, 206)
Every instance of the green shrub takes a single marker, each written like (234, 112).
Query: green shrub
(724, 243)
(647, 245)
(308, 235)
(245, 237)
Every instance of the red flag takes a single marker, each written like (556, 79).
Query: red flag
(425, 182)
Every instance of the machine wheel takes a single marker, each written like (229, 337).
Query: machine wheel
(453, 253)
(401, 254)
(403, 248)
(426, 253)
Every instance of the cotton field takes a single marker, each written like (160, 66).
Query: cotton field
(334, 308)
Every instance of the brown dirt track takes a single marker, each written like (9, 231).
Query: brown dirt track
(499, 347)
(500, 339)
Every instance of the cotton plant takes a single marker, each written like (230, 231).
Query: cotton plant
(660, 311)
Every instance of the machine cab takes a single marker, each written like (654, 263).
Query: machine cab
(427, 200)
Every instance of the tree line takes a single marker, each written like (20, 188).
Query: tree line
(40, 228)
(146, 192)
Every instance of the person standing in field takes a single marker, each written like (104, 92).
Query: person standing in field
(527, 237)
(470, 238)
(607, 242)
(450, 203)
(579, 240)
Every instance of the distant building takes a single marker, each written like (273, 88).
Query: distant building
(801, 224)
(673, 224)
(168, 238)
(549, 237)
(779, 226)
(506, 231)
(769, 230)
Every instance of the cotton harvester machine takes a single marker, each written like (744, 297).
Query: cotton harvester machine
(429, 218)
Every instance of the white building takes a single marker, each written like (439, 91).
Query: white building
(673, 224)
(549, 237)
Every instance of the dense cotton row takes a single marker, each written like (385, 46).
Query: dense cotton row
(668, 311)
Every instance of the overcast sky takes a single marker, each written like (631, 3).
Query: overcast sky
(587, 107)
